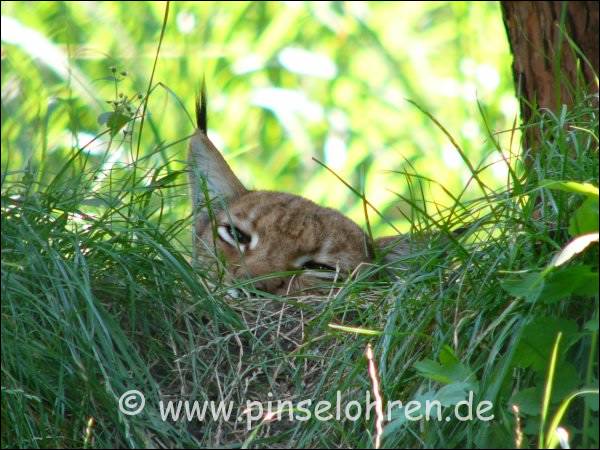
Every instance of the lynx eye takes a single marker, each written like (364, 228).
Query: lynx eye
(233, 236)
(313, 265)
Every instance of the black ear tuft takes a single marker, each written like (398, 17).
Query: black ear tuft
(201, 108)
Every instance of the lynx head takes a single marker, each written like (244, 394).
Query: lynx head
(260, 232)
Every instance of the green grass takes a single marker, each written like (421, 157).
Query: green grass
(272, 109)
(99, 297)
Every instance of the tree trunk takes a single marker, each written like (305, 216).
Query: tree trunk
(546, 69)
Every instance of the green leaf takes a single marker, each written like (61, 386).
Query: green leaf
(592, 402)
(591, 325)
(566, 380)
(585, 218)
(432, 370)
(528, 286)
(528, 400)
(537, 341)
(114, 120)
(577, 279)
(447, 356)
(453, 393)
(571, 186)
(448, 370)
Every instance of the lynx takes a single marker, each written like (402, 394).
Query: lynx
(262, 232)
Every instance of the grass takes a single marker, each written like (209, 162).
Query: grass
(98, 297)
(282, 85)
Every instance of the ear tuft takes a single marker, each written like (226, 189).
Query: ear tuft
(201, 116)
(211, 179)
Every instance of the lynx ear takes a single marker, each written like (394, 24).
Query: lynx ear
(209, 171)
(211, 178)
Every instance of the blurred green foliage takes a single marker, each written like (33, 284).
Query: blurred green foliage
(288, 81)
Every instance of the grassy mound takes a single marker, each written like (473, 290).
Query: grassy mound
(99, 297)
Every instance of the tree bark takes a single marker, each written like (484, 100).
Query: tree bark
(547, 71)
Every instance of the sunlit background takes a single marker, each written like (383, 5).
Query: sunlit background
(287, 82)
